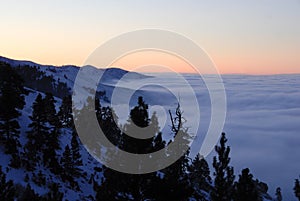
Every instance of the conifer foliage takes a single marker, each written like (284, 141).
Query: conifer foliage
(43, 136)
(67, 163)
(246, 189)
(200, 177)
(76, 156)
(7, 189)
(224, 176)
(71, 161)
(29, 194)
(297, 189)
(11, 103)
(65, 112)
(278, 194)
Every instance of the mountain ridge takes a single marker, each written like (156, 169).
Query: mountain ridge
(37, 76)
(15, 63)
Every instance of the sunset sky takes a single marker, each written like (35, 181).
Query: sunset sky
(247, 37)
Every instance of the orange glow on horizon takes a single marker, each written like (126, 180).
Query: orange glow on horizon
(247, 62)
(153, 61)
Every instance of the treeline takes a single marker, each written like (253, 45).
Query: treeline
(186, 179)
(49, 162)
(37, 79)
(39, 151)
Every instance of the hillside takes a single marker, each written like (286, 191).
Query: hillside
(42, 157)
(59, 80)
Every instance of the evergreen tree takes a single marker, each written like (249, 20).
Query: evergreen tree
(108, 122)
(98, 109)
(139, 118)
(121, 186)
(143, 186)
(262, 189)
(224, 176)
(50, 112)
(114, 184)
(65, 112)
(199, 177)
(50, 158)
(11, 102)
(158, 141)
(297, 189)
(43, 136)
(16, 160)
(67, 165)
(52, 137)
(175, 183)
(278, 194)
(7, 189)
(76, 156)
(139, 114)
(29, 195)
(85, 123)
(66, 160)
(54, 194)
(246, 189)
(37, 134)
(39, 179)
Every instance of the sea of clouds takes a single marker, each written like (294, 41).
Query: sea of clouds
(262, 121)
(263, 127)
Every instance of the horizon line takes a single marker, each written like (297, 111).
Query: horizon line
(122, 68)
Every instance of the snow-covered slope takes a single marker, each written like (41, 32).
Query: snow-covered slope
(18, 176)
(91, 167)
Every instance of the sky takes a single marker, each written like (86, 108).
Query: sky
(241, 37)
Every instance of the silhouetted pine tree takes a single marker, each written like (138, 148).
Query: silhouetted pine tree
(29, 195)
(262, 189)
(297, 189)
(121, 186)
(50, 111)
(98, 109)
(108, 122)
(76, 156)
(36, 135)
(66, 162)
(50, 151)
(7, 189)
(86, 124)
(113, 186)
(11, 102)
(246, 190)
(65, 112)
(143, 186)
(139, 114)
(52, 138)
(158, 142)
(54, 194)
(199, 177)
(68, 171)
(39, 178)
(176, 184)
(139, 118)
(224, 176)
(278, 194)
(43, 136)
